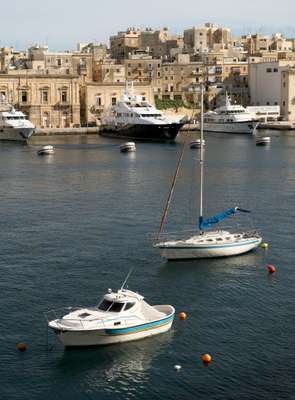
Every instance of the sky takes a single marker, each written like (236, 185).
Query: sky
(62, 23)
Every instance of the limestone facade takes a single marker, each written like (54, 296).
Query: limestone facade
(48, 101)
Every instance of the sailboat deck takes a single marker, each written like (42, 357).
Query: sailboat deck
(213, 238)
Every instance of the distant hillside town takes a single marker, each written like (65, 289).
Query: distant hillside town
(74, 88)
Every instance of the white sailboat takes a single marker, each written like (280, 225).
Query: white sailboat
(206, 244)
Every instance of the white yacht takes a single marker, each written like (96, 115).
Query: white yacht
(229, 119)
(119, 317)
(14, 125)
(135, 118)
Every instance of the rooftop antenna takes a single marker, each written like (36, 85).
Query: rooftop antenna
(127, 277)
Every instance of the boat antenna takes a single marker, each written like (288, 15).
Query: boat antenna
(127, 277)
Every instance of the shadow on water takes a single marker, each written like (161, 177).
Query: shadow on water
(112, 367)
(236, 264)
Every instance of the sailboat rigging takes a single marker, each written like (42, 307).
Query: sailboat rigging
(206, 244)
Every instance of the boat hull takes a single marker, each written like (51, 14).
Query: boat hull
(147, 132)
(16, 134)
(234, 127)
(100, 337)
(196, 252)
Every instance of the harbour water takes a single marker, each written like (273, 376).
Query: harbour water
(74, 223)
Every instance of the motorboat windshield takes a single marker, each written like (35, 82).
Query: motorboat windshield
(113, 306)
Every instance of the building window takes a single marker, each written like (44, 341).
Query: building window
(114, 101)
(275, 70)
(45, 120)
(24, 96)
(64, 96)
(268, 69)
(284, 103)
(58, 61)
(98, 101)
(159, 74)
(2, 96)
(44, 96)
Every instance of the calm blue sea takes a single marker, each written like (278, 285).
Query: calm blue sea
(73, 224)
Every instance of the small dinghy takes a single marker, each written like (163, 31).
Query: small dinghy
(196, 144)
(262, 141)
(119, 317)
(45, 150)
(127, 147)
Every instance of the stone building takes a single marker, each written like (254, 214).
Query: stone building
(159, 43)
(108, 71)
(265, 81)
(142, 67)
(288, 94)
(202, 39)
(124, 43)
(47, 100)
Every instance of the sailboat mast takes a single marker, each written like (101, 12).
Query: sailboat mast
(201, 154)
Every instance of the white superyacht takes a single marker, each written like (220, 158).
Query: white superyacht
(135, 118)
(229, 119)
(14, 125)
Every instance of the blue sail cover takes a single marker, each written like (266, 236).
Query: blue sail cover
(206, 223)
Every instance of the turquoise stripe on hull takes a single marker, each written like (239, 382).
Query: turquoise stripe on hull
(139, 328)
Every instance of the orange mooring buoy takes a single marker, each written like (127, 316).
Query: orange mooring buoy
(271, 269)
(21, 347)
(182, 316)
(206, 358)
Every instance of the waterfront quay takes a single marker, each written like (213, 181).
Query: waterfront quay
(74, 88)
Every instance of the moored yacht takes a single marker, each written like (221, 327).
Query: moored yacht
(119, 317)
(229, 119)
(14, 125)
(135, 118)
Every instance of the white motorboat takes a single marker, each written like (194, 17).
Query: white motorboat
(45, 150)
(135, 118)
(230, 119)
(127, 147)
(14, 125)
(262, 140)
(204, 244)
(196, 144)
(120, 317)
